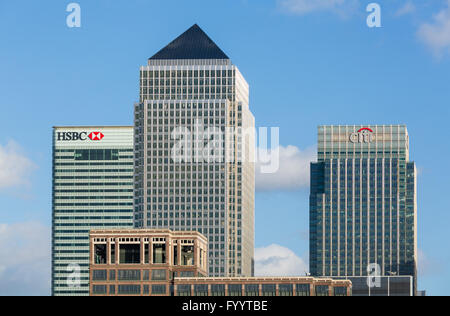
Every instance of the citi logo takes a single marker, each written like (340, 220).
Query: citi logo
(364, 135)
(80, 136)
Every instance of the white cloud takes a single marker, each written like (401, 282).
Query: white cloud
(15, 168)
(406, 9)
(302, 7)
(436, 35)
(428, 266)
(423, 263)
(293, 172)
(25, 259)
(276, 260)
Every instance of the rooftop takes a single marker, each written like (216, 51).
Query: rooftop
(192, 44)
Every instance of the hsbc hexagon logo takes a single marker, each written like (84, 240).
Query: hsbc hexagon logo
(96, 136)
(364, 135)
(80, 136)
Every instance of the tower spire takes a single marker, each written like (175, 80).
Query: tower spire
(192, 44)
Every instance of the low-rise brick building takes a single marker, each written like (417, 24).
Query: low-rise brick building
(148, 262)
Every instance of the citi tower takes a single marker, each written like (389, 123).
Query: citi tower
(363, 203)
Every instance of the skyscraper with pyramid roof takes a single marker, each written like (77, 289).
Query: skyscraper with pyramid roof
(189, 89)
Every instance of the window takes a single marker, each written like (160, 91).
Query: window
(201, 290)
(218, 290)
(146, 255)
(129, 275)
(99, 275)
(187, 255)
(100, 254)
(184, 290)
(130, 254)
(187, 274)
(269, 290)
(303, 289)
(286, 290)
(322, 290)
(112, 289)
(96, 154)
(235, 290)
(175, 255)
(99, 289)
(340, 291)
(159, 253)
(252, 290)
(112, 275)
(129, 289)
(159, 275)
(113, 253)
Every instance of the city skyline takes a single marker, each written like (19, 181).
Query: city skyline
(82, 77)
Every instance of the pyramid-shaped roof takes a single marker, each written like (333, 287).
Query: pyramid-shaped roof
(192, 44)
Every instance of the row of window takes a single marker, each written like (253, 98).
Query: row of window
(219, 290)
(94, 191)
(185, 81)
(186, 73)
(92, 211)
(93, 184)
(129, 289)
(129, 275)
(73, 150)
(189, 97)
(257, 290)
(89, 164)
(91, 218)
(91, 204)
(91, 177)
(92, 170)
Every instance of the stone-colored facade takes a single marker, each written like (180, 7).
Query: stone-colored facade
(146, 262)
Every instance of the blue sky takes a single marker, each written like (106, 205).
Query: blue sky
(307, 63)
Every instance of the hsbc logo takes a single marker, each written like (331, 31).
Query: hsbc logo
(80, 136)
(364, 135)
(96, 136)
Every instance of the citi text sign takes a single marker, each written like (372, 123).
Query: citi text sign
(364, 135)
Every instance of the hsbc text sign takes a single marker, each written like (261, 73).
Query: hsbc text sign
(80, 136)
(364, 135)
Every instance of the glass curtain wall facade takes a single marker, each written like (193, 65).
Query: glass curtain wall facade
(193, 87)
(92, 189)
(363, 210)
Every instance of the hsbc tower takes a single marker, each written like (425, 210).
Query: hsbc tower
(363, 209)
(92, 189)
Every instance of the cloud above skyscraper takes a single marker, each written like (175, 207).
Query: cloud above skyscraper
(276, 260)
(436, 34)
(15, 167)
(407, 8)
(302, 7)
(293, 172)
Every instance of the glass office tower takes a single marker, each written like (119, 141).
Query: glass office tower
(188, 90)
(92, 189)
(363, 210)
